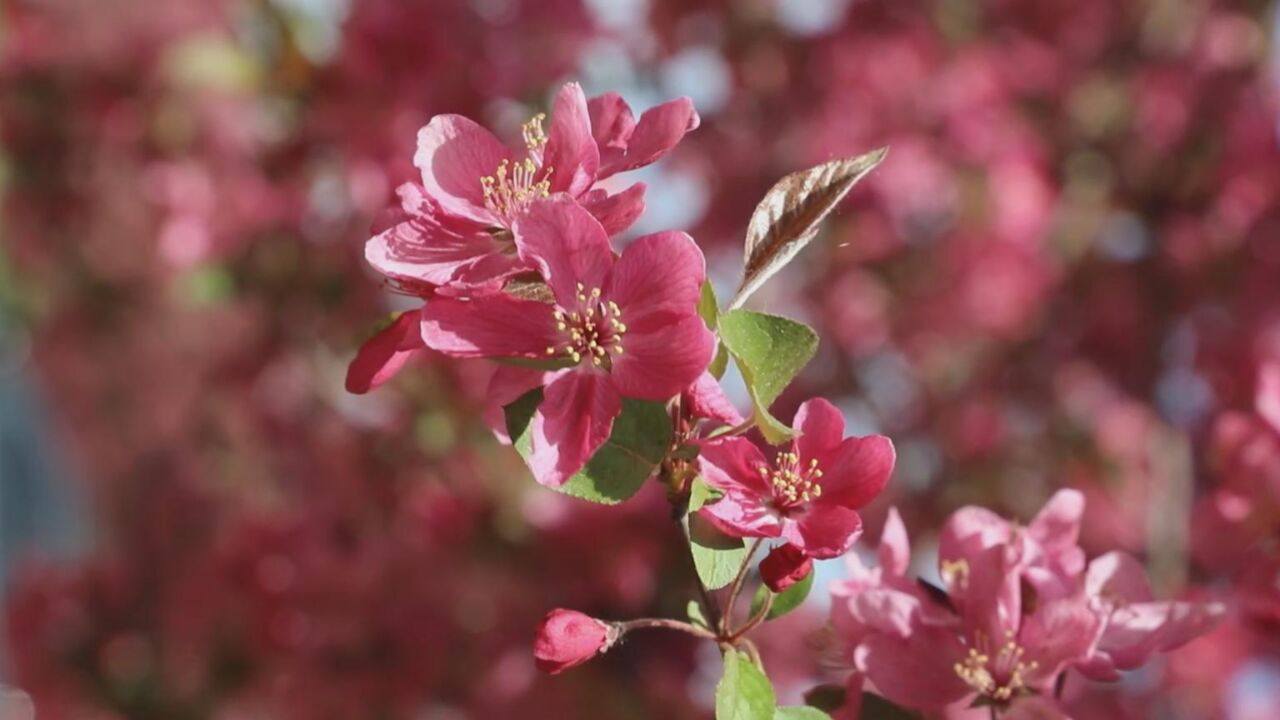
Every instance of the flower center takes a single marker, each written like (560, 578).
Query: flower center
(593, 329)
(514, 186)
(999, 677)
(791, 483)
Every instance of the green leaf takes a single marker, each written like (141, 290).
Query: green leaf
(770, 351)
(789, 215)
(875, 707)
(694, 611)
(639, 441)
(744, 693)
(700, 494)
(708, 306)
(785, 601)
(716, 556)
(800, 712)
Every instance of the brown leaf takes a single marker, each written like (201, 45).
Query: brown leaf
(788, 216)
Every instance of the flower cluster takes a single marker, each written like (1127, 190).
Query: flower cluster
(1017, 608)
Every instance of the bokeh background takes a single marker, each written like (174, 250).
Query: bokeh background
(1066, 273)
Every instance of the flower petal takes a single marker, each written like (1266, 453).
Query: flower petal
(895, 548)
(571, 152)
(453, 154)
(1118, 576)
(785, 566)
(916, 671)
(567, 245)
(611, 123)
(382, 355)
(1058, 633)
(1057, 525)
(856, 470)
(508, 384)
(821, 428)
(657, 281)
(572, 422)
(706, 399)
(1267, 399)
(658, 365)
(659, 129)
(422, 249)
(493, 325)
(742, 514)
(734, 464)
(886, 610)
(824, 531)
(615, 212)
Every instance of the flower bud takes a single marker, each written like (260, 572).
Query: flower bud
(567, 638)
(785, 566)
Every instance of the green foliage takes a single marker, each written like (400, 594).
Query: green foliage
(770, 351)
(639, 441)
(716, 556)
(744, 693)
(785, 601)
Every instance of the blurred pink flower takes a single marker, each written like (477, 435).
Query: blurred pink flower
(567, 638)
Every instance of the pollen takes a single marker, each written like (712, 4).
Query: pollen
(793, 482)
(1000, 675)
(591, 330)
(515, 185)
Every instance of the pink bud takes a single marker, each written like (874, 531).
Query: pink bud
(567, 638)
(785, 566)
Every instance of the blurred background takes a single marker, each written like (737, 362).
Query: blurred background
(1066, 273)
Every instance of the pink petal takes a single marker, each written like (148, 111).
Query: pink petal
(970, 530)
(742, 514)
(734, 464)
(657, 365)
(571, 152)
(916, 671)
(615, 212)
(821, 428)
(1057, 524)
(895, 548)
(990, 597)
(453, 154)
(1035, 708)
(852, 708)
(657, 281)
(856, 470)
(706, 399)
(1267, 401)
(508, 384)
(1136, 632)
(1057, 634)
(382, 355)
(572, 422)
(611, 122)
(486, 326)
(423, 250)
(886, 610)
(659, 129)
(824, 531)
(1117, 576)
(567, 245)
(785, 566)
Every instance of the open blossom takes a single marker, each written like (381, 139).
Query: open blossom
(809, 494)
(621, 327)
(1014, 611)
(567, 638)
(382, 355)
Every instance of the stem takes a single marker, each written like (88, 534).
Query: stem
(736, 588)
(665, 624)
(755, 619)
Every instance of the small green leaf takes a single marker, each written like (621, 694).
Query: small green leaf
(875, 707)
(785, 601)
(700, 494)
(720, 362)
(639, 441)
(694, 611)
(800, 712)
(708, 306)
(770, 351)
(716, 556)
(744, 693)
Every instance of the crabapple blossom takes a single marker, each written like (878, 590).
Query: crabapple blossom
(567, 638)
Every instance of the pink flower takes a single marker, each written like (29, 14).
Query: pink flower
(382, 355)
(810, 494)
(567, 638)
(625, 144)
(1137, 626)
(624, 326)
(785, 566)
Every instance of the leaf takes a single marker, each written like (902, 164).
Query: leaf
(708, 306)
(787, 218)
(716, 556)
(744, 693)
(720, 362)
(875, 707)
(639, 441)
(770, 351)
(694, 611)
(800, 712)
(700, 493)
(785, 601)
